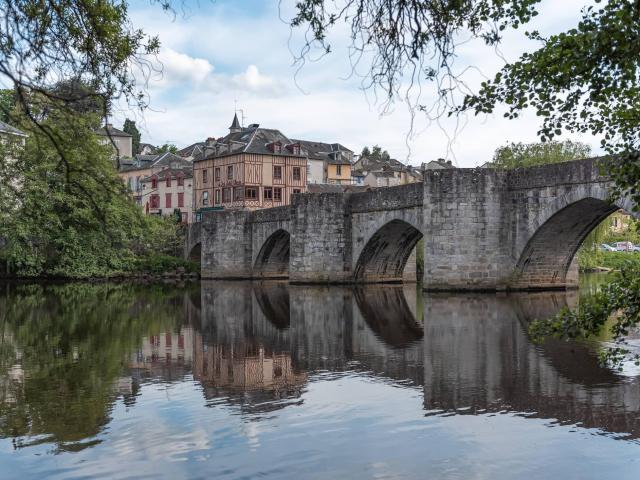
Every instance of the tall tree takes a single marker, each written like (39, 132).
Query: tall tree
(516, 155)
(130, 128)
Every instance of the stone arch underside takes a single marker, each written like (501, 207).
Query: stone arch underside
(195, 253)
(385, 255)
(272, 260)
(547, 256)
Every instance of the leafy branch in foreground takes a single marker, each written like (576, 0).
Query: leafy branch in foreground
(616, 307)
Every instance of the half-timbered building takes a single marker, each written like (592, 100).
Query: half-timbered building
(250, 168)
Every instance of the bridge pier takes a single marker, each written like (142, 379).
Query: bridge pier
(482, 230)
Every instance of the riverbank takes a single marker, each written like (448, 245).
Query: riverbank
(158, 268)
(600, 261)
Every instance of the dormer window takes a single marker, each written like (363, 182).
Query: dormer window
(294, 148)
(275, 147)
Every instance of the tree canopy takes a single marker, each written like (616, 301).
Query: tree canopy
(375, 153)
(130, 128)
(515, 155)
(167, 147)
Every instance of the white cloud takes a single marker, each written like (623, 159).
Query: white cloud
(180, 67)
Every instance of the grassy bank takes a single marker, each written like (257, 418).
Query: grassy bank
(593, 260)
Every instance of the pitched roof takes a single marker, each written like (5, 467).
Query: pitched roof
(142, 162)
(142, 146)
(186, 172)
(329, 152)
(252, 139)
(6, 128)
(110, 130)
(192, 150)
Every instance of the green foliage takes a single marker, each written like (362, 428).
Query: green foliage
(92, 40)
(7, 104)
(165, 263)
(130, 128)
(516, 155)
(616, 307)
(376, 153)
(65, 211)
(167, 147)
(611, 260)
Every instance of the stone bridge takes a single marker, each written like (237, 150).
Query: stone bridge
(483, 229)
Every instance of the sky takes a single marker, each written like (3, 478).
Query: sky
(221, 55)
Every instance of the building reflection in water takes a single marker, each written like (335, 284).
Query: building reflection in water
(256, 347)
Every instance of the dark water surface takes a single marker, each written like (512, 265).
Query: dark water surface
(241, 380)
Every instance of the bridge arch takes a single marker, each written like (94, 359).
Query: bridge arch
(547, 258)
(272, 260)
(195, 253)
(385, 254)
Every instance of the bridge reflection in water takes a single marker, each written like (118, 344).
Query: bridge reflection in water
(259, 344)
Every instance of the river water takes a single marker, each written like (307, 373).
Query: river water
(241, 380)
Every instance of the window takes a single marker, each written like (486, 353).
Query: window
(230, 172)
(217, 196)
(180, 199)
(205, 178)
(226, 195)
(185, 217)
(217, 174)
(167, 179)
(180, 180)
(154, 182)
(205, 198)
(296, 149)
(167, 200)
(277, 172)
(296, 173)
(338, 170)
(296, 190)
(277, 148)
(238, 193)
(268, 193)
(277, 194)
(251, 193)
(155, 201)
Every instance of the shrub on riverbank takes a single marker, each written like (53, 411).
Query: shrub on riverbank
(593, 260)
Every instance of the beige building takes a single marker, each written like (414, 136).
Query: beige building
(250, 168)
(327, 162)
(121, 142)
(168, 192)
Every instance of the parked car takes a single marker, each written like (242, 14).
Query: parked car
(623, 246)
(605, 247)
(636, 248)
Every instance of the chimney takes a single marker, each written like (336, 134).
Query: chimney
(210, 142)
(449, 163)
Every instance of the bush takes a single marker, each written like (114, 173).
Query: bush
(164, 263)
